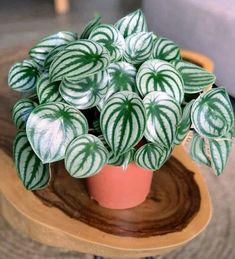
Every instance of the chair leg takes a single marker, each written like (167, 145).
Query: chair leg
(61, 6)
(98, 257)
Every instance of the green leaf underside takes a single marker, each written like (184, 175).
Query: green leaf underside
(163, 116)
(87, 92)
(212, 113)
(198, 150)
(132, 23)
(85, 156)
(151, 156)
(108, 36)
(52, 54)
(21, 111)
(195, 78)
(33, 174)
(40, 51)
(122, 160)
(158, 75)
(122, 121)
(219, 152)
(138, 47)
(51, 127)
(89, 27)
(122, 78)
(185, 123)
(165, 49)
(79, 59)
(23, 76)
(48, 91)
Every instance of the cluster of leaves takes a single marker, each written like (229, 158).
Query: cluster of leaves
(115, 94)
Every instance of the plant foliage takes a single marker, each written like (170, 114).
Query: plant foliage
(114, 95)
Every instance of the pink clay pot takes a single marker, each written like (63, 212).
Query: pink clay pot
(117, 188)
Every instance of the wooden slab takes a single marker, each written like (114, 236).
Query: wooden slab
(51, 226)
(172, 203)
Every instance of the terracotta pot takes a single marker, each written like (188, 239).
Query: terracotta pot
(117, 188)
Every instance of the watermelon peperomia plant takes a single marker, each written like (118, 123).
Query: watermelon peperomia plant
(115, 95)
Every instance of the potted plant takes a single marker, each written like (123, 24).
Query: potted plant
(112, 103)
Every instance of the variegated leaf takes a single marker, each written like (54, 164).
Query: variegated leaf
(122, 78)
(96, 125)
(151, 156)
(165, 49)
(85, 156)
(185, 123)
(219, 152)
(51, 127)
(23, 76)
(163, 116)
(110, 37)
(89, 27)
(195, 78)
(198, 150)
(138, 47)
(122, 121)
(158, 75)
(212, 113)
(40, 51)
(122, 160)
(21, 111)
(87, 92)
(33, 174)
(132, 23)
(52, 54)
(48, 91)
(79, 59)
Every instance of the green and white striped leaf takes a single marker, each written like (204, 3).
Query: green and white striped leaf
(163, 116)
(23, 76)
(40, 51)
(51, 127)
(185, 123)
(195, 78)
(165, 49)
(32, 172)
(52, 54)
(132, 23)
(198, 150)
(89, 27)
(122, 121)
(158, 75)
(79, 59)
(110, 37)
(96, 125)
(212, 113)
(219, 152)
(122, 160)
(138, 47)
(87, 92)
(85, 156)
(122, 78)
(21, 111)
(151, 156)
(48, 91)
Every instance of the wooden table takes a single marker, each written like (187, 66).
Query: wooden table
(94, 230)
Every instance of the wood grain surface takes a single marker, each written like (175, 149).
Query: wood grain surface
(173, 201)
(129, 233)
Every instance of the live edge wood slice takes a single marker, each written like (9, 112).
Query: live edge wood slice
(177, 209)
